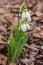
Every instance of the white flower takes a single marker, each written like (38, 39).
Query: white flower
(26, 15)
(28, 26)
(23, 14)
(23, 27)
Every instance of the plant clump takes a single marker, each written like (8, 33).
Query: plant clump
(18, 39)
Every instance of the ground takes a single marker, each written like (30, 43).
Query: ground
(32, 53)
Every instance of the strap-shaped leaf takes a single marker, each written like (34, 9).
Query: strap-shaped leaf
(21, 47)
(9, 51)
(11, 43)
(19, 35)
(17, 48)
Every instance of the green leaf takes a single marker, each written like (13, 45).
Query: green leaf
(9, 51)
(11, 43)
(22, 45)
(19, 47)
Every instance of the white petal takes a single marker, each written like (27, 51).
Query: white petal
(28, 26)
(23, 15)
(23, 27)
(28, 16)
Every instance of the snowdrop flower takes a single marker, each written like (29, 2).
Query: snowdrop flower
(23, 27)
(26, 15)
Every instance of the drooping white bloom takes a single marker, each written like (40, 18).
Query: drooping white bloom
(23, 14)
(26, 15)
(28, 26)
(23, 27)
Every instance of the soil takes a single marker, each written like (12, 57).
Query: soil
(32, 53)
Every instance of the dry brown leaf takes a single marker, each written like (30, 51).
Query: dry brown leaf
(3, 28)
(11, 20)
(38, 29)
